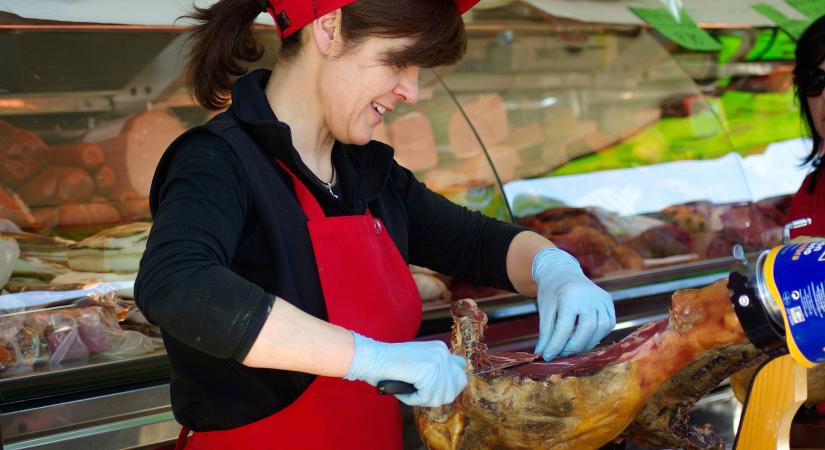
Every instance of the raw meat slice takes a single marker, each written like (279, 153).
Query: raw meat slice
(579, 402)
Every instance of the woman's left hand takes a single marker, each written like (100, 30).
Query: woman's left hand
(574, 313)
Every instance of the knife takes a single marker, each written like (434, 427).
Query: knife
(386, 387)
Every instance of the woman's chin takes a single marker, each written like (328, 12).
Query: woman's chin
(359, 138)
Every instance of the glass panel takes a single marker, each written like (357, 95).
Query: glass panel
(633, 154)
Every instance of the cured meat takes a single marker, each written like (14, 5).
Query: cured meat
(134, 146)
(562, 220)
(414, 143)
(662, 423)
(662, 241)
(489, 118)
(505, 159)
(105, 180)
(81, 154)
(431, 288)
(56, 185)
(579, 402)
(597, 252)
(78, 215)
(22, 154)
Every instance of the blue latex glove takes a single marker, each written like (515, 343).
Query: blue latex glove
(436, 373)
(564, 295)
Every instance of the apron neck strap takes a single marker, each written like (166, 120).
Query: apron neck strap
(308, 203)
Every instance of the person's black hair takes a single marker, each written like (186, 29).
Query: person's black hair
(810, 52)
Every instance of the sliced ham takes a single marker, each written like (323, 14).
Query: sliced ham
(579, 402)
(489, 117)
(505, 158)
(414, 143)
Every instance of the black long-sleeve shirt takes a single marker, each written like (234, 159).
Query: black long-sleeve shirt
(229, 236)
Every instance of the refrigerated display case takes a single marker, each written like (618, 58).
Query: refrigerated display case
(644, 160)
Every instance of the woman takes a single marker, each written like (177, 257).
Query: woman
(277, 263)
(809, 78)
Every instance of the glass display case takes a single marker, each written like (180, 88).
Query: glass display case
(646, 161)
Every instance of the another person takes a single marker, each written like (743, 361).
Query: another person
(809, 78)
(277, 266)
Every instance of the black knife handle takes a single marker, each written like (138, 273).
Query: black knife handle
(395, 387)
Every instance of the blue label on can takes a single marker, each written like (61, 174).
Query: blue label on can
(795, 275)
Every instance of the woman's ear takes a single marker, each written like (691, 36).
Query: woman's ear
(326, 31)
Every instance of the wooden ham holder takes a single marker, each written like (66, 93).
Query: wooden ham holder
(775, 395)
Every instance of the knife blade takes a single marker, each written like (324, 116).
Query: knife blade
(386, 387)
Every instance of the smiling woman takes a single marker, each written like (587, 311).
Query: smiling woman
(277, 267)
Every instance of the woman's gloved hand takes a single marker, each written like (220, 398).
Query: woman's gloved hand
(436, 373)
(565, 294)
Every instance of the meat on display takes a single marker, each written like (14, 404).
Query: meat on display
(587, 401)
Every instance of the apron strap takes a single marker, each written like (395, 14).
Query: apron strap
(183, 438)
(308, 203)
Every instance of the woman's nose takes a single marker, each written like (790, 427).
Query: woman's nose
(407, 87)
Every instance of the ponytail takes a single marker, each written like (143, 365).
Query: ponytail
(222, 38)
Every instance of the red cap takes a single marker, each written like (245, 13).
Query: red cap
(292, 15)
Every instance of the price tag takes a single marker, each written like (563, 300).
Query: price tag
(685, 32)
(811, 8)
(793, 27)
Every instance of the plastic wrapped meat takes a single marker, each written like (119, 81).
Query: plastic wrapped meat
(562, 220)
(662, 241)
(597, 252)
(750, 225)
(579, 402)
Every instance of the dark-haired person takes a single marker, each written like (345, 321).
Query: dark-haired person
(809, 78)
(277, 262)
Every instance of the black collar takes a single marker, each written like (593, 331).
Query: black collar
(362, 170)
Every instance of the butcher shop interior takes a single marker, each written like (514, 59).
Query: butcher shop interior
(659, 142)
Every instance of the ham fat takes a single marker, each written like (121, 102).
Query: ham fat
(587, 401)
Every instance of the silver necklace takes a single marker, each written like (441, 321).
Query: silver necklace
(331, 181)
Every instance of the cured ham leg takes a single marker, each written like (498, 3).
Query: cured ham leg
(663, 422)
(579, 402)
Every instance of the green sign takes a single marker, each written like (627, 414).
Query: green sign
(684, 32)
(811, 8)
(793, 27)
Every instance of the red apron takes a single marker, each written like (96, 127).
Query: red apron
(367, 288)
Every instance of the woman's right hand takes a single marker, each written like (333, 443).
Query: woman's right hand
(437, 374)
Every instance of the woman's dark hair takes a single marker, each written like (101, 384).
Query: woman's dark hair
(810, 52)
(223, 39)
